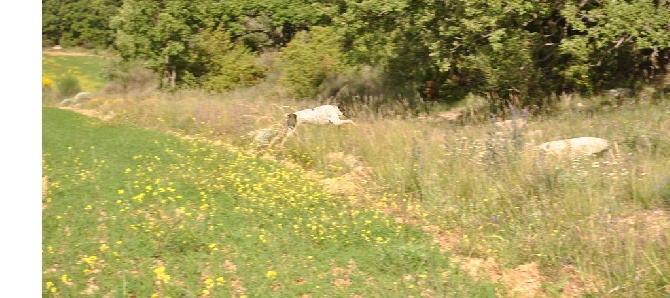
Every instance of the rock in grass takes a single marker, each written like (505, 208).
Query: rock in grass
(263, 137)
(67, 102)
(83, 96)
(77, 100)
(575, 147)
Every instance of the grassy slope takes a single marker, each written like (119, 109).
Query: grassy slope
(130, 211)
(603, 217)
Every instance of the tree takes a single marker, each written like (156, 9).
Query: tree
(516, 48)
(615, 43)
(78, 23)
(461, 45)
(269, 24)
(168, 35)
(223, 64)
(159, 32)
(309, 59)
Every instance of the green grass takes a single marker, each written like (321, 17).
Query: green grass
(131, 212)
(87, 69)
(599, 222)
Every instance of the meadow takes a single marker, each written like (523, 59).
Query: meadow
(87, 69)
(172, 198)
(130, 212)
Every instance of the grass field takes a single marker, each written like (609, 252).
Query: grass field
(87, 69)
(395, 206)
(130, 212)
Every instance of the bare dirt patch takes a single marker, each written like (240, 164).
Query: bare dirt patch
(526, 280)
(647, 224)
(45, 186)
(62, 53)
(91, 113)
(577, 283)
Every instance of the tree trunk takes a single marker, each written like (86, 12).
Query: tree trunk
(173, 77)
(166, 72)
(169, 74)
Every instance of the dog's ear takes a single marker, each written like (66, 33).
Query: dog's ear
(343, 108)
(291, 120)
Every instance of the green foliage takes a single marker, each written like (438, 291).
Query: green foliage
(78, 23)
(177, 45)
(159, 33)
(226, 65)
(267, 25)
(463, 46)
(309, 59)
(127, 77)
(508, 48)
(501, 49)
(68, 85)
(615, 43)
(506, 62)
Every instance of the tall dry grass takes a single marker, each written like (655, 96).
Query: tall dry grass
(605, 215)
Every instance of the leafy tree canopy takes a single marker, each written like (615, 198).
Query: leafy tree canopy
(513, 48)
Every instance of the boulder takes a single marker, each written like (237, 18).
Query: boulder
(67, 102)
(77, 100)
(575, 147)
(83, 96)
(263, 137)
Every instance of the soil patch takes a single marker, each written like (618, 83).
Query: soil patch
(61, 53)
(91, 113)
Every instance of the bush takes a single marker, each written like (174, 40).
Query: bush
(68, 85)
(225, 65)
(310, 59)
(129, 79)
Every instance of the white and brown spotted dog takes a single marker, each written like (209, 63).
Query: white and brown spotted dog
(321, 115)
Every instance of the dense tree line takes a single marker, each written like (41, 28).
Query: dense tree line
(441, 48)
(78, 23)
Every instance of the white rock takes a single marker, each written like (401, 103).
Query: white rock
(575, 147)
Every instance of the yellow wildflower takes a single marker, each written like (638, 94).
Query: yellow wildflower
(220, 280)
(161, 275)
(104, 247)
(271, 274)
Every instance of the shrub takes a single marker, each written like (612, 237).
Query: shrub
(126, 78)
(310, 59)
(68, 85)
(225, 64)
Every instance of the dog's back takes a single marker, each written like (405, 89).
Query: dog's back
(325, 114)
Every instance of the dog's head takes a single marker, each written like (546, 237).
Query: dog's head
(291, 121)
(343, 109)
